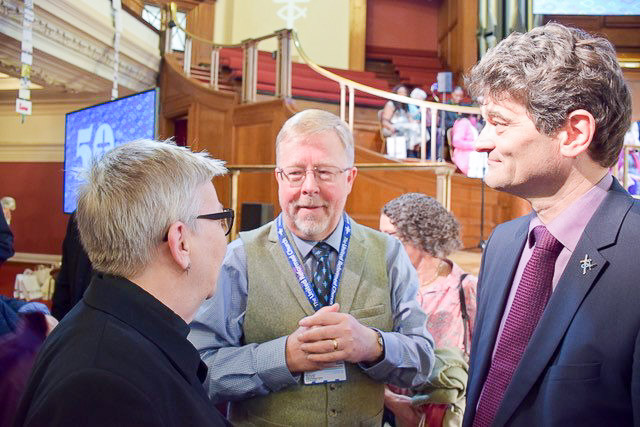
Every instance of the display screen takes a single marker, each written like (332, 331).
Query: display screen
(586, 7)
(92, 131)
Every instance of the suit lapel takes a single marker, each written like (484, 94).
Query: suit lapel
(571, 290)
(496, 284)
(288, 277)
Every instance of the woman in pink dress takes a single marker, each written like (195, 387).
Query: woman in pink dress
(430, 234)
(463, 136)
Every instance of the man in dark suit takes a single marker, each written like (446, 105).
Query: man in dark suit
(6, 240)
(557, 338)
(151, 223)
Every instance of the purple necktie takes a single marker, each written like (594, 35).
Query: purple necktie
(526, 310)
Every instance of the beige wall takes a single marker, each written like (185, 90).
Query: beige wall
(323, 29)
(41, 137)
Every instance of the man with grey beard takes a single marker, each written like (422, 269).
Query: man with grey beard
(314, 313)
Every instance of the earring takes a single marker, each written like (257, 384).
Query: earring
(188, 267)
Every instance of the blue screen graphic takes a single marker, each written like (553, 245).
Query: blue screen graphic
(92, 131)
(586, 7)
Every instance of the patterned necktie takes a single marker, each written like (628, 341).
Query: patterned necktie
(526, 310)
(322, 274)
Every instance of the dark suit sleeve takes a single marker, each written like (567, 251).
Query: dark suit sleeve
(6, 240)
(61, 301)
(91, 397)
(635, 383)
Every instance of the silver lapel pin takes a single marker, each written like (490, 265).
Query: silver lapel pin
(587, 263)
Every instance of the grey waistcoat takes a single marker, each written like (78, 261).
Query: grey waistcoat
(276, 303)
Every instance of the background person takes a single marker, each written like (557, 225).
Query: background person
(463, 138)
(429, 234)
(450, 117)
(309, 289)
(416, 115)
(544, 352)
(152, 225)
(396, 120)
(23, 327)
(6, 240)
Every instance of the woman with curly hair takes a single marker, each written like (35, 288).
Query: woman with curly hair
(429, 234)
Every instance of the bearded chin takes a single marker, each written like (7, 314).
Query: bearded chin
(310, 226)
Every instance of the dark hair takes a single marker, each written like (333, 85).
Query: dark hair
(400, 105)
(554, 70)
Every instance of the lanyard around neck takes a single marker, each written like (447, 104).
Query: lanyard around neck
(296, 264)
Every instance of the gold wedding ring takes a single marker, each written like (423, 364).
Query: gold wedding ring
(335, 344)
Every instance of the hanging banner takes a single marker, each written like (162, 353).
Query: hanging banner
(117, 25)
(23, 101)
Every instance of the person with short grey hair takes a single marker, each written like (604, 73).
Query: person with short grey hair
(314, 313)
(424, 223)
(313, 122)
(544, 353)
(429, 234)
(154, 230)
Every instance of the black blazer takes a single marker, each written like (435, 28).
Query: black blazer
(75, 272)
(119, 358)
(582, 365)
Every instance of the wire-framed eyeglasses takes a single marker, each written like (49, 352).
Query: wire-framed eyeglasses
(225, 217)
(297, 175)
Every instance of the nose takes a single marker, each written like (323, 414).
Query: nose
(484, 142)
(310, 183)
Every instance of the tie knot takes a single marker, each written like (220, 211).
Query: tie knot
(321, 251)
(545, 240)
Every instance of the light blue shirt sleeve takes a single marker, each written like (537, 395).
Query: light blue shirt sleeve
(408, 350)
(238, 371)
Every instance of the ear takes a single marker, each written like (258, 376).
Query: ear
(351, 176)
(178, 242)
(577, 133)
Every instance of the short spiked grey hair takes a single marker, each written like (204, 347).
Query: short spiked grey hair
(132, 195)
(312, 121)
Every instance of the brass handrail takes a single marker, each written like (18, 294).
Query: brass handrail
(283, 81)
(443, 179)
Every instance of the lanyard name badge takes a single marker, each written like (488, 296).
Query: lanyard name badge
(337, 371)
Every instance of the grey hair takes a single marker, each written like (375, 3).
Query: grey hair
(422, 221)
(311, 122)
(132, 195)
(554, 70)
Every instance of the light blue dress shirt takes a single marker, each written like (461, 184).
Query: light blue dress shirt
(238, 371)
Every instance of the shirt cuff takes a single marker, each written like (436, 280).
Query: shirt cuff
(272, 364)
(34, 307)
(389, 362)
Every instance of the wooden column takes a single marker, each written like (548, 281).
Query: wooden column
(200, 23)
(357, 33)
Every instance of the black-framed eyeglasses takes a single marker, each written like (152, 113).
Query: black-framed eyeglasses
(226, 218)
(296, 175)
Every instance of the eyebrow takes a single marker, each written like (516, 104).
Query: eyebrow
(496, 114)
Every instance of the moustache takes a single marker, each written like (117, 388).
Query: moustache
(309, 204)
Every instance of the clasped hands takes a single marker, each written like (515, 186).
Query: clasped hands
(329, 336)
